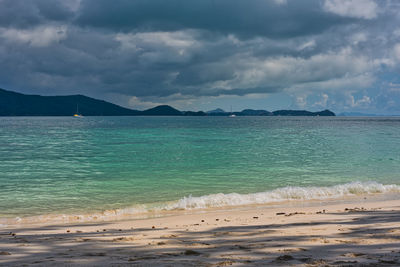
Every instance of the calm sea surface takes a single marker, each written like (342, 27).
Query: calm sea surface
(66, 165)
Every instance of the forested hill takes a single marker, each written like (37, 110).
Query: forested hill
(16, 104)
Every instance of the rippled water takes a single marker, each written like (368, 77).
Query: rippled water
(53, 165)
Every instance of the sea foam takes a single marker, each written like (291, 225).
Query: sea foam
(289, 193)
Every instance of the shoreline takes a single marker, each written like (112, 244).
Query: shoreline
(297, 196)
(350, 232)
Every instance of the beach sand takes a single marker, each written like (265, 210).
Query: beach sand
(353, 233)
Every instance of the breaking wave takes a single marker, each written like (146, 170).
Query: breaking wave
(290, 193)
(284, 194)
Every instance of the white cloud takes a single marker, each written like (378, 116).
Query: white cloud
(178, 101)
(159, 46)
(338, 85)
(396, 51)
(307, 45)
(38, 37)
(363, 102)
(323, 102)
(394, 87)
(280, 2)
(72, 4)
(358, 38)
(365, 9)
(177, 40)
(329, 69)
(396, 32)
(137, 103)
(301, 101)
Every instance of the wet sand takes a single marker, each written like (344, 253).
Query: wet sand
(356, 233)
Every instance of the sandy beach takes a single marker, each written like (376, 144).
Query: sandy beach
(356, 233)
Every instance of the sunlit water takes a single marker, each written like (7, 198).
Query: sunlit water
(66, 165)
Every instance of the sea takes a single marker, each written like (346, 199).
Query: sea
(93, 168)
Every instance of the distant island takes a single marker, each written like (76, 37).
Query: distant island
(17, 104)
(358, 114)
(260, 112)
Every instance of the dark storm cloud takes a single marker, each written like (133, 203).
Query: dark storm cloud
(244, 18)
(321, 53)
(29, 13)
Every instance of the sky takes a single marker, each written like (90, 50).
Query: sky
(342, 55)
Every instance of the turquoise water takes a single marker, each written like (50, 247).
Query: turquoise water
(63, 165)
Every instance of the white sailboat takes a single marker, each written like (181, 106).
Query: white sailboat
(77, 115)
(232, 115)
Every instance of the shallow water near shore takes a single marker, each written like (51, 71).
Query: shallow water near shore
(62, 165)
(130, 214)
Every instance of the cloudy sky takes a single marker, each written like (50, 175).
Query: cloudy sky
(202, 54)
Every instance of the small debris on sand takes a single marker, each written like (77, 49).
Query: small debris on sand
(345, 263)
(294, 213)
(353, 255)
(356, 209)
(388, 261)
(284, 258)
(242, 247)
(123, 239)
(190, 252)
(95, 254)
(225, 263)
(168, 236)
(292, 249)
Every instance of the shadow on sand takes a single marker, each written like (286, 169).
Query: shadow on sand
(256, 245)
